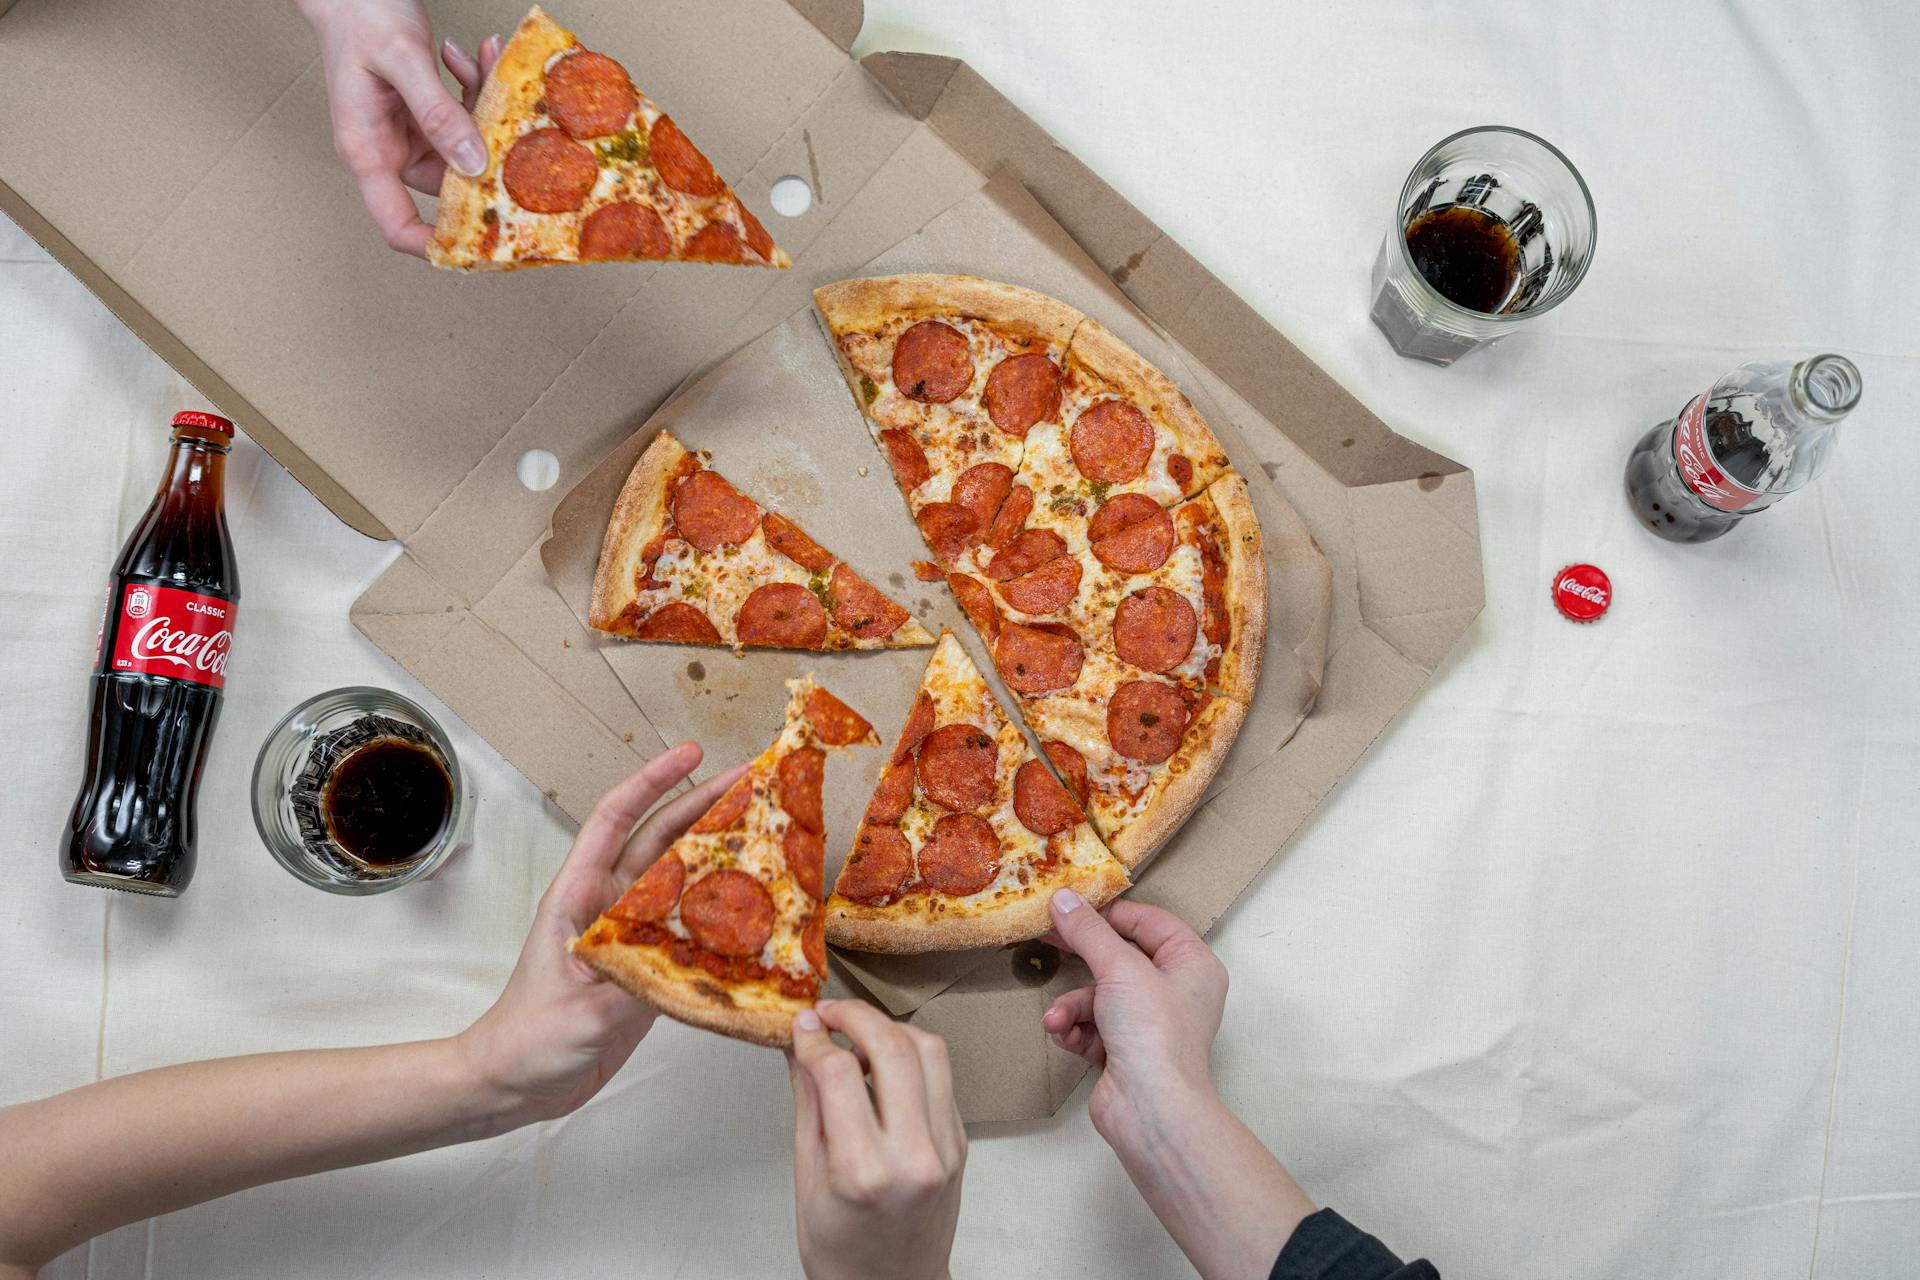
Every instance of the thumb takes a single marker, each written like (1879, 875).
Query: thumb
(1086, 933)
(411, 71)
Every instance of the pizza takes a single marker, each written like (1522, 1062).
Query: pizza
(1087, 521)
(726, 929)
(583, 167)
(968, 833)
(688, 558)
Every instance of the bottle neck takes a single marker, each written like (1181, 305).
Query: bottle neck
(1824, 389)
(197, 468)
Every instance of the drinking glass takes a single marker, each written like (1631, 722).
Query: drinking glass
(1521, 180)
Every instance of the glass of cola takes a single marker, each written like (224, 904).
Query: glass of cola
(1493, 228)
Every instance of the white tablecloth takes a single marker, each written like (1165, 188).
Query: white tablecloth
(1599, 964)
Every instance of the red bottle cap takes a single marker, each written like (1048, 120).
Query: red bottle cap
(196, 418)
(1582, 592)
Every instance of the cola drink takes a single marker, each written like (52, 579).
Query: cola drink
(158, 676)
(1759, 433)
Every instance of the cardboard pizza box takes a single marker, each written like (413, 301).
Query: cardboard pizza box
(411, 401)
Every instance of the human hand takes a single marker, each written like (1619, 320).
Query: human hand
(559, 1031)
(1148, 1020)
(876, 1176)
(394, 122)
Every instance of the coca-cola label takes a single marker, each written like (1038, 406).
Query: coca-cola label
(164, 631)
(1695, 460)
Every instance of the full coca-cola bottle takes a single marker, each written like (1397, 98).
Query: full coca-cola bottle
(164, 641)
(1761, 432)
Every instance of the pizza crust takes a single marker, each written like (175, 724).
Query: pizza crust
(890, 931)
(1133, 378)
(1190, 770)
(639, 514)
(757, 1012)
(870, 304)
(1246, 587)
(458, 227)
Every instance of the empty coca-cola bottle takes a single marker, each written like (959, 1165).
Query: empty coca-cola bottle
(1761, 432)
(162, 663)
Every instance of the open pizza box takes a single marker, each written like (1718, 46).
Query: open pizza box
(412, 401)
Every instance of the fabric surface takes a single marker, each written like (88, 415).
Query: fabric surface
(1598, 964)
(1325, 1246)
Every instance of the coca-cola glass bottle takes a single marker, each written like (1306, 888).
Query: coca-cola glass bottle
(1759, 433)
(164, 641)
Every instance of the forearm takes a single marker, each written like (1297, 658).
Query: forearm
(1222, 1196)
(130, 1148)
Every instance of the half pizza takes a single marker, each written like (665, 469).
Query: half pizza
(581, 167)
(968, 832)
(725, 929)
(688, 558)
(1085, 517)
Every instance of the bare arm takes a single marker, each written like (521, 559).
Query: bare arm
(1148, 1023)
(125, 1149)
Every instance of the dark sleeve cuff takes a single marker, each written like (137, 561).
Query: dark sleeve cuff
(1325, 1246)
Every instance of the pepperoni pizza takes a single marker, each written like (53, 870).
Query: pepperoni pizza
(1086, 519)
(726, 929)
(688, 558)
(582, 166)
(967, 835)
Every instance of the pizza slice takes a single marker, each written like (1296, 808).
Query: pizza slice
(688, 558)
(1138, 684)
(725, 929)
(582, 167)
(952, 373)
(968, 832)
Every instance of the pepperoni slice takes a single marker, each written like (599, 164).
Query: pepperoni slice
(1012, 517)
(878, 867)
(1026, 553)
(1021, 391)
(931, 363)
(1112, 442)
(1047, 589)
(978, 603)
(1146, 720)
(962, 856)
(649, 556)
(548, 172)
(680, 163)
(1041, 803)
(715, 242)
(797, 780)
(813, 941)
(589, 94)
(1131, 533)
(624, 230)
(806, 858)
(729, 913)
(726, 810)
(652, 896)
(948, 528)
(710, 513)
(782, 615)
(784, 536)
(861, 610)
(919, 721)
(680, 622)
(1179, 470)
(1071, 764)
(757, 238)
(908, 458)
(981, 489)
(1032, 660)
(836, 723)
(1154, 629)
(893, 795)
(956, 766)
